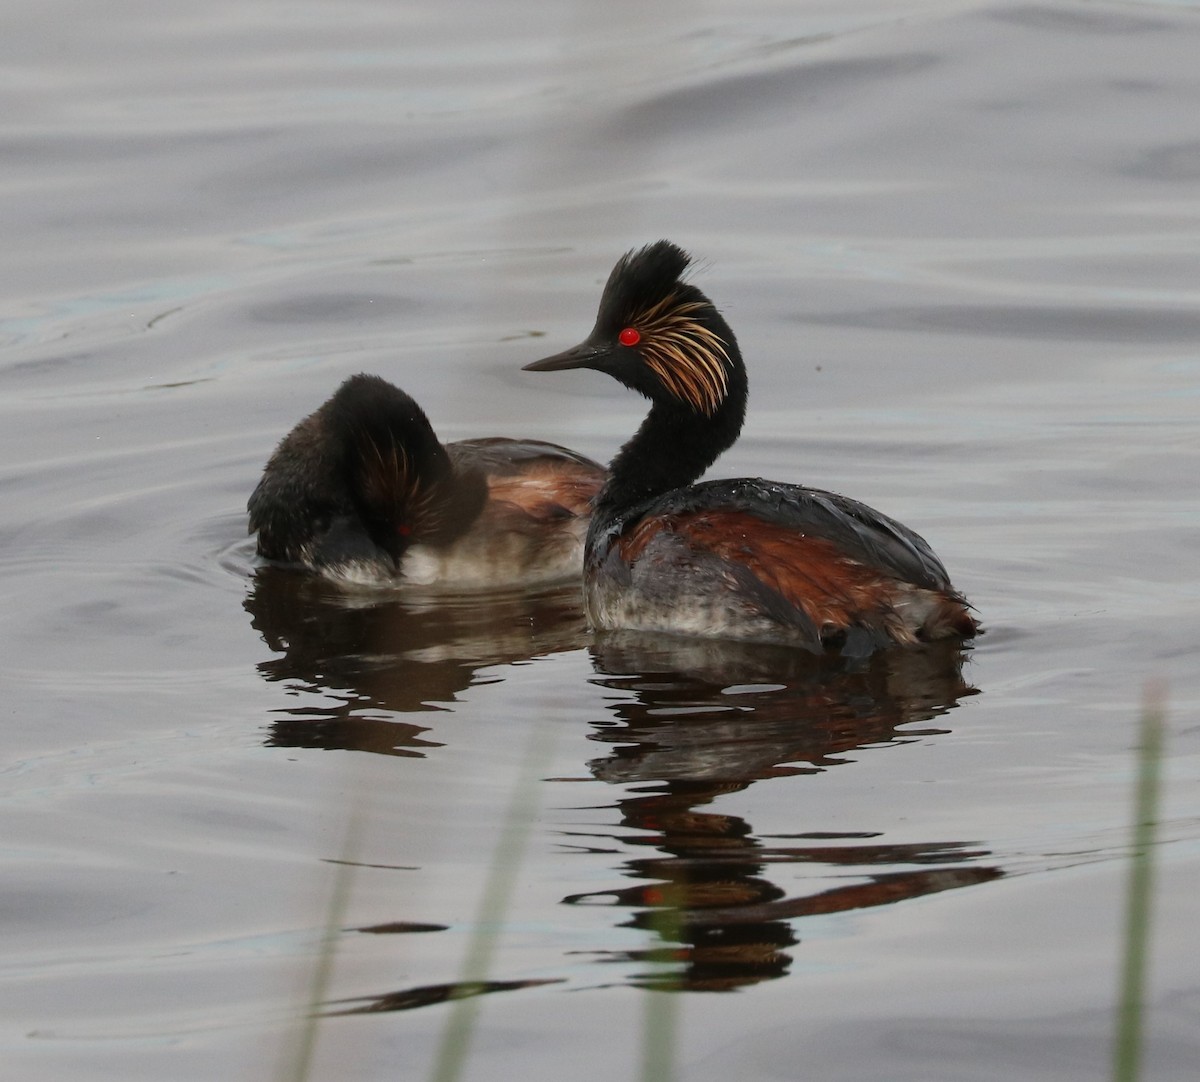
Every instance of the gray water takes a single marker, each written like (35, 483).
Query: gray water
(958, 243)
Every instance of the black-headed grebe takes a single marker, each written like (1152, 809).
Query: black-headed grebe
(748, 558)
(362, 490)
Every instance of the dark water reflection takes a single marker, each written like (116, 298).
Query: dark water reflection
(367, 655)
(710, 719)
(408, 999)
(691, 721)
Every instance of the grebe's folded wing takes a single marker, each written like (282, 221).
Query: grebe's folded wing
(798, 516)
(501, 454)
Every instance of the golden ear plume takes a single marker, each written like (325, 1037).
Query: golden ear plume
(689, 358)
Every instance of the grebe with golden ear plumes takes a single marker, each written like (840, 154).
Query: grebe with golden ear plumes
(744, 559)
(362, 490)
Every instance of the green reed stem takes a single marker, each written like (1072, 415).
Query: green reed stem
(494, 903)
(660, 1019)
(298, 1063)
(1127, 1051)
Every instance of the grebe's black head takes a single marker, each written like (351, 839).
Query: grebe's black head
(660, 335)
(397, 473)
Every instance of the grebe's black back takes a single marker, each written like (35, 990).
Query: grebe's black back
(363, 490)
(746, 558)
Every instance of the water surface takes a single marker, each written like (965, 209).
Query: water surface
(957, 242)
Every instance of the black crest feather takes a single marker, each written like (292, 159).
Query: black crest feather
(643, 278)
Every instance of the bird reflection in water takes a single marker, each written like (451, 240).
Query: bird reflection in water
(371, 655)
(368, 656)
(692, 720)
(699, 719)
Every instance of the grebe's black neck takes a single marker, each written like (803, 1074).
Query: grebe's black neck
(673, 447)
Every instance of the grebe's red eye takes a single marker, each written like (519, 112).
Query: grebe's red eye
(629, 336)
(403, 530)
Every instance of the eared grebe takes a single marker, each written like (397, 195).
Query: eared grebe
(362, 490)
(746, 559)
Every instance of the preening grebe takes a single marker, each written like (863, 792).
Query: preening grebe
(362, 490)
(747, 559)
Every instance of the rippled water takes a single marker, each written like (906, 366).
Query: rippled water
(958, 244)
